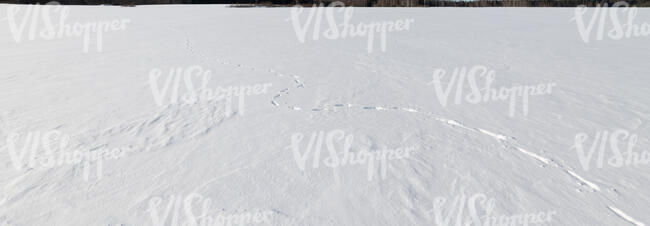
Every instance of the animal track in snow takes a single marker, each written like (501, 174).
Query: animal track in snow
(505, 140)
(583, 181)
(623, 215)
(536, 156)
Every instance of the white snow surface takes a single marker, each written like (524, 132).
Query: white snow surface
(242, 162)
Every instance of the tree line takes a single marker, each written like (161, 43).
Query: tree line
(357, 3)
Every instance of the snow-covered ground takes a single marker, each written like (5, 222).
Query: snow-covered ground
(422, 156)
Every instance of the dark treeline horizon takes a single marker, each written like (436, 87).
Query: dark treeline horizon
(356, 3)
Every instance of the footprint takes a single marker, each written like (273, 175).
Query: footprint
(409, 109)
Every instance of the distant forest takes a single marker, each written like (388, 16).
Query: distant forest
(357, 3)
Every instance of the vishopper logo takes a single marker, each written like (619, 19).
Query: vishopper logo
(619, 26)
(54, 152)
(27, 18)
(339, 26)
(334, 138)
(195, 94)
(616, 140)
(486, 92)
(160, 213)
(477, 210)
